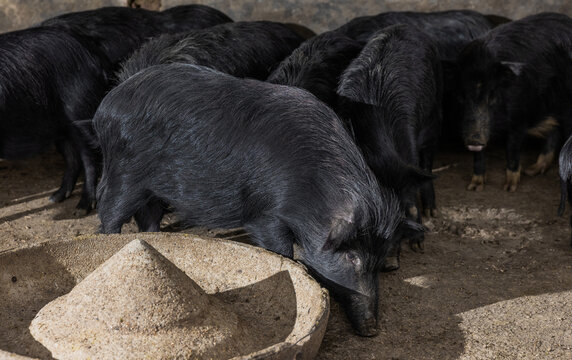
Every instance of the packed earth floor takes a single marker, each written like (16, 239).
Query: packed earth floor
(494, 281)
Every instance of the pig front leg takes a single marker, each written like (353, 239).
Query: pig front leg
(513, 147)
(478, 180)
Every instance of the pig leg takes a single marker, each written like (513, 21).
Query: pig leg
(71, 173)
(427, 189)
(479, 178)
(148, 217)
(84, 140)
(272, 234)
(569, 192)
(513, 147)
(391, 261)
(546, 156)
(409, 201)
(91, 173)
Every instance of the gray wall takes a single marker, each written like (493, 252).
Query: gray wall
(18, 14)
(319, 15)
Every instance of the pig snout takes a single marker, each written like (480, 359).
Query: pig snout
(475, 142)
(367, 328)
(363, 314)
(476, 129)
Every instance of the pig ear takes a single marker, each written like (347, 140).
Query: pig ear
(514, 67)
(355, 83)
(340, 231)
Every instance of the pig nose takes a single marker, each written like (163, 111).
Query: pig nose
(368, 327)
(475, 139)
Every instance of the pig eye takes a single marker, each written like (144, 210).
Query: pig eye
(353, 258)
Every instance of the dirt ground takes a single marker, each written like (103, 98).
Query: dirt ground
(494, 282)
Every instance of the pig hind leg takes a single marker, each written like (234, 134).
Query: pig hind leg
(546, 155)
(409, 201)
(427, 188)
(569, 193)
(90, 160)
(71, 173)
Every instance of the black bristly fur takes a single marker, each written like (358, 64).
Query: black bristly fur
(565, 158)
(317, 64)
(188, 17)
(115, 32)
(392, 93)
(55, 74)
(565, 162)
(48, 80)
(242, 49)
(448, 30)
(511, 81)
(228, 152)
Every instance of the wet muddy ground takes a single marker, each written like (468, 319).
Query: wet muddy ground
(494, 281)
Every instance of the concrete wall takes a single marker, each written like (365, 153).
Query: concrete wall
(18, 14)
(319, 15)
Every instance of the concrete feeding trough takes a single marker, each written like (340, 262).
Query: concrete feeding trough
(165, 295)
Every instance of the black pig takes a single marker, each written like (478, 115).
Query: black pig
(48, 80)
(52, 88)
(317, 64)
(449, 30)
(510, 87)
(242, 49)
(115, 32)
(393, 95)
(227, 152)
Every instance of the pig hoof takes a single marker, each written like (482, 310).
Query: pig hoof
(417, 244)
(542, 164)
(79, 212)
(391, 264)
(59, 196)
(534, 170)
(477, 183)
(367, 333)
(413, 212)
(84, 207)
(431, 213)
(512, 180)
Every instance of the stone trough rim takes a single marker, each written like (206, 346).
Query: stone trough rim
(275, 351)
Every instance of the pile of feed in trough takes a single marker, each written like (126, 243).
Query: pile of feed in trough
(138, 304)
